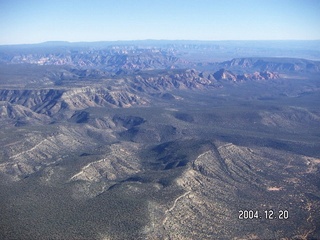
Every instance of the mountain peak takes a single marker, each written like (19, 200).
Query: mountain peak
(224, 74)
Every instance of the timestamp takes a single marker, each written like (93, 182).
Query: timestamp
(266, 214)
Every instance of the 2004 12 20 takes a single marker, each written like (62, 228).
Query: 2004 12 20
(267, 214)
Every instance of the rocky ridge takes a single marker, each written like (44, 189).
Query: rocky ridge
(274, 64)
(224, 74)
(215, 179)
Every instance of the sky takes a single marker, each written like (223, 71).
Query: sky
(35, 21)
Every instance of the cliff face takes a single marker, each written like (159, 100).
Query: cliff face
(223, 74)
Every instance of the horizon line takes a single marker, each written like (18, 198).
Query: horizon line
(159, 40)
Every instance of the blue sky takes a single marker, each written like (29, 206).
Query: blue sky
(33, 21)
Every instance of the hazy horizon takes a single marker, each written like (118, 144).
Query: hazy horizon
(28, 22)
(62, 42)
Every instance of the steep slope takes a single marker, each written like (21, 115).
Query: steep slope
(52, 101)
(223, 74)
(17, 115)
(98, 176)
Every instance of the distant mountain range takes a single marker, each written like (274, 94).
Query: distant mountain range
(112, 58)
(274, 64)
(64, 77)
(121, 57)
